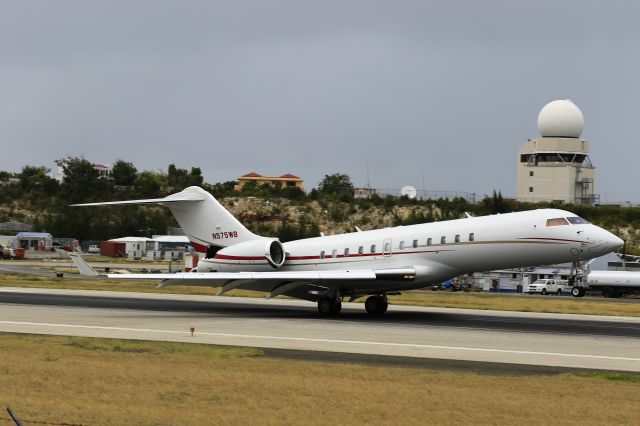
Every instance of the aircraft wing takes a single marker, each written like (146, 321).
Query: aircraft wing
(293, 283)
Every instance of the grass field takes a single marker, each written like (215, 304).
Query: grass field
(568, 305)
(86, 381)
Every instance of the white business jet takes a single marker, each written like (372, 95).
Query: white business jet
(372, 263)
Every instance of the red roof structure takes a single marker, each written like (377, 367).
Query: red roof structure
(252, 174)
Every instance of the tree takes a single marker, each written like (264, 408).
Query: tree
(496, 204)
(179, 179)
(81, 180)
(148, 184)
(124, 173)
(337, 184)
(37, 178)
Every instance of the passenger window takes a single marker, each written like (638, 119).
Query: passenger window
(334, 253)
(360, 250)
(472, 237)
(557, 221)
(346, 252)
(443, 240)
(428, 241)
(415, 243)
(373, 248)
(401, 245)
(457, 238)
(322, 254)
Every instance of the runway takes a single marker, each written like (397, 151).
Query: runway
(412, 333)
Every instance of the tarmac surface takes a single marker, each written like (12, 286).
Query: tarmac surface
(453, 339)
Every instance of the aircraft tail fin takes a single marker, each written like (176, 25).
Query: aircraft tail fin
(202, 218)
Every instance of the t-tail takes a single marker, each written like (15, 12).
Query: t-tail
(203, 219)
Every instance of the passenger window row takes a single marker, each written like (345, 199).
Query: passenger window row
(401, 246)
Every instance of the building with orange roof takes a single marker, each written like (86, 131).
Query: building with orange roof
(285, 181)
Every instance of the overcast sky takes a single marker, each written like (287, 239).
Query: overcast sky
(446, 89)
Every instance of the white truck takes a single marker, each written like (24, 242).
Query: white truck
(547, 286)
(610, 283)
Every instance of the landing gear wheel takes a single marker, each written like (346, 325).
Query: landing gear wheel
(329, 306)
(376, 305)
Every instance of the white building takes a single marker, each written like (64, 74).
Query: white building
(155, 248)
(556, 166)
(104, 172)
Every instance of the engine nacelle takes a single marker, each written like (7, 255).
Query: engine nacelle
(253, 252)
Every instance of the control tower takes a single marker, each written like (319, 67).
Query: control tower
(556, 166)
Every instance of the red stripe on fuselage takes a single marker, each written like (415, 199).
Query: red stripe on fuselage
(553, 239)
(227, 257)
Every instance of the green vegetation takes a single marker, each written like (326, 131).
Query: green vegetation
(609, 376)
(279, 211)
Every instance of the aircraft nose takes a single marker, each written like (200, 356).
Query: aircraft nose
(606, 242)
(615, 242)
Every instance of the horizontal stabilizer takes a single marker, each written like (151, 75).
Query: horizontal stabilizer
(84, 268)
(170, 199)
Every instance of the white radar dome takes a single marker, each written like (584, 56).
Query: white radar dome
(560, 119)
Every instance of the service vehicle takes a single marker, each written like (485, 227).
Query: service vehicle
(7, 252)
(612, 284)
(546, 286)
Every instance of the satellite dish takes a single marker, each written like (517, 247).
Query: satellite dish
(409, 191)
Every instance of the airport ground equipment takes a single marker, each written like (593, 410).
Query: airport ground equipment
(610, 283)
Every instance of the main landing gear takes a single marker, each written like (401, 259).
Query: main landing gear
(329, 305)
(376, 305)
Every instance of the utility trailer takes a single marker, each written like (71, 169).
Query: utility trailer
(610, 283)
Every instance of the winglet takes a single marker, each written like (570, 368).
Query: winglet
(82, 266)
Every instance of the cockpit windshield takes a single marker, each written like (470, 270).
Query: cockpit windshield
(557, 221)
(575, 220)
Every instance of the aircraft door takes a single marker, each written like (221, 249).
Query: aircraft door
(387, 247)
